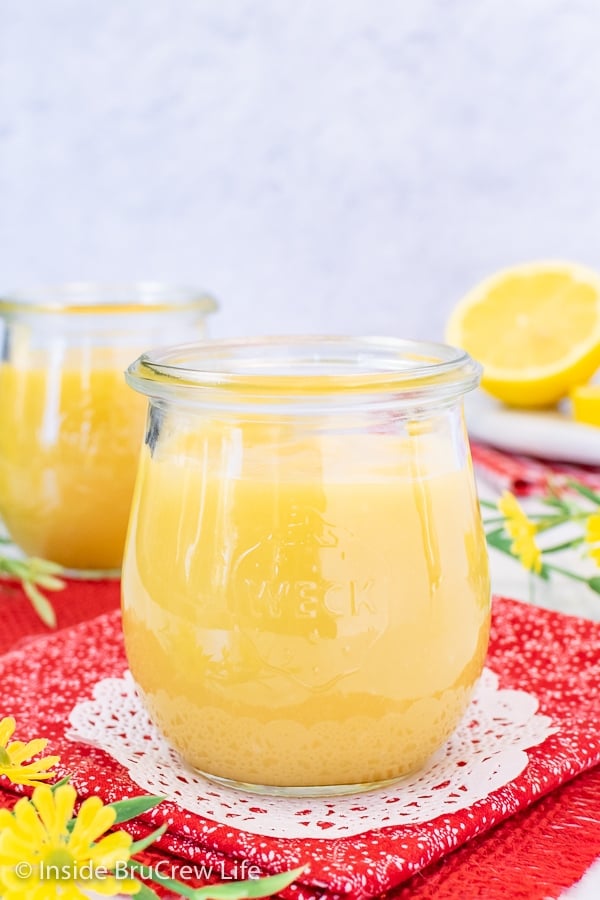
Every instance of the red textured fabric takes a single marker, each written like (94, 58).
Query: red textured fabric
(534, 855)
(79, 601)
(553, 656)
(526, 475)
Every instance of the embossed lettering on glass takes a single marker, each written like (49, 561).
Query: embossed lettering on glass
(305, 586)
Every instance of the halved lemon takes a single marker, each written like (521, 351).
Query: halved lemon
(535, 329)
(585, 404)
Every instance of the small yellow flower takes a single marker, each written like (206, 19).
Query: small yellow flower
(42, 858)
(14, 753)
(592, 537)
(513, 513)
(522, 531)
(525, 547)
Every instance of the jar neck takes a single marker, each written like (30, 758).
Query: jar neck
(97, 299)
(307, 375)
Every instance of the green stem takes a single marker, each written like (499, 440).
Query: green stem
(576, 542)
(234, 890)
(584, 491)
(544, 520)
(545, 523)
(566, 572)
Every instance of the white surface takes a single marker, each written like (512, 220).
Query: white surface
(330, 165)
(589, 886)
(547, 434)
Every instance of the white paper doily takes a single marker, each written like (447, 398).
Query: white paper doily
(485, 753)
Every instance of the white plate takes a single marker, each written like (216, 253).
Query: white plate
(548, 434)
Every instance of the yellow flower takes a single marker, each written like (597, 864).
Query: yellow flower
(513, 513)
(525, 547)
(522, 531)
(592, 536)
(43, 858)
(14, 754)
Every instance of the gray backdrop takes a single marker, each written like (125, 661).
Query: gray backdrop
(321, 165)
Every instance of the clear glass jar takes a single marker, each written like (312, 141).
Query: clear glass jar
(306, 597)
(70, 428)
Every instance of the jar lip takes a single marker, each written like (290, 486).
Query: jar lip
(306, 365)
(114, 297)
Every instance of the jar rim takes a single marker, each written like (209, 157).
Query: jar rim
(111, 297)
(304, 366)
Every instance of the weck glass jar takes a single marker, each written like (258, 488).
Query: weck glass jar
(306, 597)
(70, 428)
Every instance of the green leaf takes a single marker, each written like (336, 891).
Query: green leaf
(134, 806)
(34, 574)
(558, 503)
(44, 566)
(41, 604)
(594, 583)
(253, 887)
(140, 845)
(234, 890)
(49, 582)
(500, 540)
(585, 491)
(15, 567)
(60, 783)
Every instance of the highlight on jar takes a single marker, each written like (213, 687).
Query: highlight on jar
(70, 428)
(305, 589)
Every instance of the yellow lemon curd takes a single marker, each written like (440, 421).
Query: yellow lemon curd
(290, 625)
(585, 403)
(69, 442)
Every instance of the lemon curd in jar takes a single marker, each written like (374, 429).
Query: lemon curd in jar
(69, 442)
(70, 428)
(305, 608)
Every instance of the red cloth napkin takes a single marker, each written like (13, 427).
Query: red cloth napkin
(554, 657)
(79, 601)
(526, 475)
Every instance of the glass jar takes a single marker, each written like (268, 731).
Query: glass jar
(70, 428)
(306, 597)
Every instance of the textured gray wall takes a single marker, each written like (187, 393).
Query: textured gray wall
(334, 165)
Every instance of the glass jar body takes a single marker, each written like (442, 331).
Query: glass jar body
(305, 595)
(70, 428)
